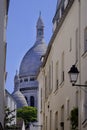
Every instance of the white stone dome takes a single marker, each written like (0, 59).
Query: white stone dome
(31, 61)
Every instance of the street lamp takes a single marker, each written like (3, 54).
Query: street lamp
(73, 74)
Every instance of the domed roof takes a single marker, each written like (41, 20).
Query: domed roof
(19, 98)
(31, 61)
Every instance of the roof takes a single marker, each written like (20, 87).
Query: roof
(31, 60)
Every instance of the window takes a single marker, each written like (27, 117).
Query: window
(46, 91)
(46, 123)
(60, 13)
(21, 80)
(32, 78)
(65, 3)
(50, 120)
(25, 80)
(32, 101)
(62, 8)
(56, 120)
(40, 32)
(48, 87)
(41, 99)
(57, 81)
(85, 39)
(67, 108)
(76, 98)
(85, 102)
(62, 69)
(76, 42)
(50, 77)
(62, 118)
(70, 49)
(26, 99)
(62, 113)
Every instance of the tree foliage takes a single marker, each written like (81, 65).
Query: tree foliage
(29, 114)
(74, 118)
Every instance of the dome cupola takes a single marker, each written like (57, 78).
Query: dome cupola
(40, 29)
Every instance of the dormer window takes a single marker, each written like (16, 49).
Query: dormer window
(66, 3)
(62, 8)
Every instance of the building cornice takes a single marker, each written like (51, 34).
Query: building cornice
(28, 88)
(66, 11)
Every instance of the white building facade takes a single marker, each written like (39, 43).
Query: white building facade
(67, 47)
(12, 106)
(3, 20)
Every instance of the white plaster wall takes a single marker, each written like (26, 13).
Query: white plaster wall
(2, 57)
(41, 98)
(83, 60)
(65, 92)
(11, 104)
(76, 19)
(62, 44)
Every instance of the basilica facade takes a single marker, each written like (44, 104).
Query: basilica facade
(25, 83)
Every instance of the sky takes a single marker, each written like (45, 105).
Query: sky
(21, 31)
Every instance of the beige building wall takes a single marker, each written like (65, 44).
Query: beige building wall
(3, 18)
(83, 62)
(66, 48)
(41, 101)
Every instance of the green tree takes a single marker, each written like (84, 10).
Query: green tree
(29, 114)
(74, 118)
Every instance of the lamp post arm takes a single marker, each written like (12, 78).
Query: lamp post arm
(79, 85)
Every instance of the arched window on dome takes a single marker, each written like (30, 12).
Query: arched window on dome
(32, 78)
(26, 80)
(32, 101)
(21, 80)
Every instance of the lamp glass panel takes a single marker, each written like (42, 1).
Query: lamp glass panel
(73, 77)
